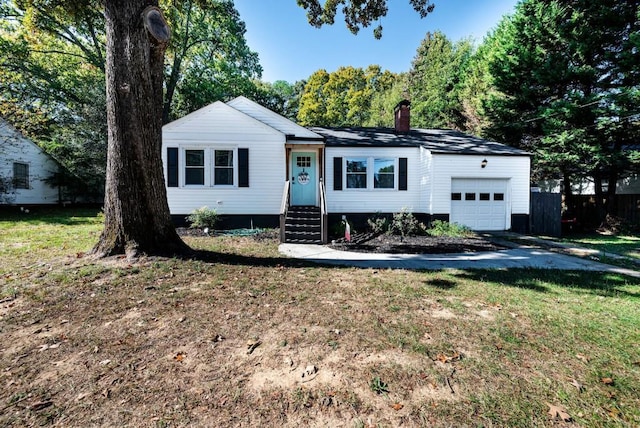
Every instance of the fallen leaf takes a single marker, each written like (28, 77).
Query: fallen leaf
(582, 358)
(578, 385)
(558, 412)
(397, 406)
(179, 356)
(613, 412)
(607, 380)
(443, 358)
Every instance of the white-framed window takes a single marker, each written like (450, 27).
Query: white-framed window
(20, 175)
(384, 173)
(209, 167)
(223, 168)
(194, 167)
(371, 173)
(356, 173)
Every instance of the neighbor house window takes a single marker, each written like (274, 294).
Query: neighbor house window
(20, 175)
(223, 167)
(383, 173)
(194, 167)
(356, 173)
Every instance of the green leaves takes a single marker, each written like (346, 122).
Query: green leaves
(344, 97)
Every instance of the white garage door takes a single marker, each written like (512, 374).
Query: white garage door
(480, 204)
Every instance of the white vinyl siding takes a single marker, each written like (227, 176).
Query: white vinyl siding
(220, 127)
(372, 199)
(447, 168)
(23, 160)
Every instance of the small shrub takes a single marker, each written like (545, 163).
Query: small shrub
(444, 228)
(378, 223)
(378, 386)
(203, 217)
(404, 224)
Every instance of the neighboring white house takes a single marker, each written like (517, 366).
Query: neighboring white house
(252, 165)
(629, 185)
(24, 169)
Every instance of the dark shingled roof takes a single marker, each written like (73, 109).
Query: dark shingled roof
(443, 141)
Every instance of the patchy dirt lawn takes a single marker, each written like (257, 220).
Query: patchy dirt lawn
(240, 336)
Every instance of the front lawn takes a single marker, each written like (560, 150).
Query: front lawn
(628, 246)
(240, 336)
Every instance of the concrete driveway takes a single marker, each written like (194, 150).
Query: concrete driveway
(521, 257)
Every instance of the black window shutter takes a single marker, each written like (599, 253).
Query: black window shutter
(172, 167)
(402, 174)
(337, 173)
(243, 167)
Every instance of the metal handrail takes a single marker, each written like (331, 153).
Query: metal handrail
(323, 211)
(284, 206)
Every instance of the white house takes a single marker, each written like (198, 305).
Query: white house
(258, 168)
(24, 169)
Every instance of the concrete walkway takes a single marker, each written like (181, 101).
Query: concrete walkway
(518, 257)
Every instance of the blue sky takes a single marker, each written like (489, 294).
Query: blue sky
(290, 49)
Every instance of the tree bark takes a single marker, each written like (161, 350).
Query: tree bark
(137, 219)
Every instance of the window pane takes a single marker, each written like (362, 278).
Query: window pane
(194, 176)
(20, 175)
(224, 158)
(498, 196)
(223, 176)
(485, 196)
(469, 196)
(194, 157)
(456, 196)
(383, 181)
(303, 161)
(356, 181)
(383, 177)
(356, 173)
(357, 165)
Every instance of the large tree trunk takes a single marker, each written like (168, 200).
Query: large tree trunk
(137, 219)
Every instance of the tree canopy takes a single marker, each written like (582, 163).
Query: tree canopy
(568, 86)
(343, 97)
(357, 13)
(52, 72)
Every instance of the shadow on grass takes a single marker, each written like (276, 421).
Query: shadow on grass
(538, 280)
(443, 284)
(71, 216)
(242, 260)
(544, 280)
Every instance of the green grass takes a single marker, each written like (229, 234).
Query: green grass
(44, 232)
(628, 246)
(457, 348)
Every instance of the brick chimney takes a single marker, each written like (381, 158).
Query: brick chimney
(402, 115)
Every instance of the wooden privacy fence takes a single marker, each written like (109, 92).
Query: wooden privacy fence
(546, 214)
(625, 206)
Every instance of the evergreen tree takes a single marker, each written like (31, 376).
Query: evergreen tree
(568, 77)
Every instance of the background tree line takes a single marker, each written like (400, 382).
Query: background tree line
(559, 79)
